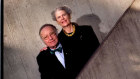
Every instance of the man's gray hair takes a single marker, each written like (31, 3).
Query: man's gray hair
(48, 25)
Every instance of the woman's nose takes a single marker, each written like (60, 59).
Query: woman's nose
(62, 17)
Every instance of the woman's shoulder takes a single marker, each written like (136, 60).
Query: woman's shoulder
(84, 27)
(81, 26)
(61, 33)
(43, 53)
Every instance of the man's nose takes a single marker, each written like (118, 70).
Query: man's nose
(50, 37)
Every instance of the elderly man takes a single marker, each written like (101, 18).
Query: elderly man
(57, 61)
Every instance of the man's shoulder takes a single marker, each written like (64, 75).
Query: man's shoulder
(43, 53)
(60, 33)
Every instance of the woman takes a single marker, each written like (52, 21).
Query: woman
(81, 39)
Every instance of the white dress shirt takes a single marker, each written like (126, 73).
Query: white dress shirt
(60, 55)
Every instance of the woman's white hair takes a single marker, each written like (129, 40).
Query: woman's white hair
(64, 7)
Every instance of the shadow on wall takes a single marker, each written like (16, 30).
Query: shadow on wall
(19, 64)
(94, 21)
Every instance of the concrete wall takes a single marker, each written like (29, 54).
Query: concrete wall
(23, 18)
(119, 55)
(0, 38)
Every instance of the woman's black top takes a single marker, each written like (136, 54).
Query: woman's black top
(83, 44)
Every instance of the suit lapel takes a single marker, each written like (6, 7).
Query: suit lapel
(55, 60)
(68, 57)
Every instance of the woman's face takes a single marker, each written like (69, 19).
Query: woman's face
(62, 18)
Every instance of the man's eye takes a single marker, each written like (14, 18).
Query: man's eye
(45, 37)
(53, 33)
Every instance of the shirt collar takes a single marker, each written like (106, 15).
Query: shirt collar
(59, 45)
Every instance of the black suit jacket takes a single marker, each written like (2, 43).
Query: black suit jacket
(51, 68)
(83, 43)
(77, 51)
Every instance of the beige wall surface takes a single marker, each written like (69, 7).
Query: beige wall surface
(119, 55)
(23, 18)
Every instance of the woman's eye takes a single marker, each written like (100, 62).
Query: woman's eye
(64, 14)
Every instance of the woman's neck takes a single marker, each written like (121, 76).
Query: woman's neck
(68, 29)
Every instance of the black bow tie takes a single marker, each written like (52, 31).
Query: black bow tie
(58, 49)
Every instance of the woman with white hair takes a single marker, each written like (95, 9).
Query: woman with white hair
(81, 39)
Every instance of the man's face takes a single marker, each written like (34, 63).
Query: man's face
(62, 18)
(49, 37)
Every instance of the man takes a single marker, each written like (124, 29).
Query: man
(55, 62)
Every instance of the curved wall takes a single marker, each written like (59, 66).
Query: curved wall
(23, 18)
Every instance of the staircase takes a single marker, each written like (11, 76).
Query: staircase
(118, 57)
